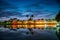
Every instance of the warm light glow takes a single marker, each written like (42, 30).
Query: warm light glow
(19, 26)
(32, 24)
(19, 22)
(13, 26)
(40, 26)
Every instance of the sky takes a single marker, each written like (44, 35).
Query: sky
(20, 8)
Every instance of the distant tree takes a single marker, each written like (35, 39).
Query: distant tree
(58, 17)
(53, 19)
(42, 19)
(49, 19)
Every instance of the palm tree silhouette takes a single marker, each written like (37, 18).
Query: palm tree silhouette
(27, 15)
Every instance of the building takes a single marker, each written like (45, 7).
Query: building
(40, 23)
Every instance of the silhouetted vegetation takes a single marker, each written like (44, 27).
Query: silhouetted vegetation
(58, 17)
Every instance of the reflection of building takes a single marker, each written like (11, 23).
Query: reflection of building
(15, 23)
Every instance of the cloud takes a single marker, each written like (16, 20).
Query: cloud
(36, 7)
(20, 34)
(27, 13)
(7, 13)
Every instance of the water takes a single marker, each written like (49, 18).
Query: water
(20, 34)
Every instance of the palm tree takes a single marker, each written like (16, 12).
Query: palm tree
(32, 15)
(27, 15)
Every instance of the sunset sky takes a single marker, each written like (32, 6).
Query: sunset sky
(20, 8)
